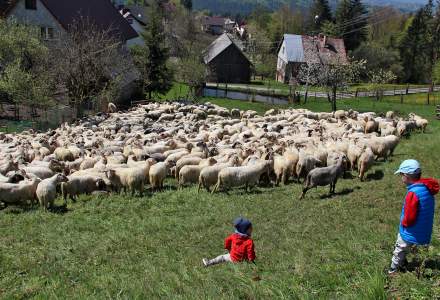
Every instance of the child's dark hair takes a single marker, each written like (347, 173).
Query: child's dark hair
(415, 176)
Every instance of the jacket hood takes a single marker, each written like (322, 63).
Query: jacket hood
(431, 184)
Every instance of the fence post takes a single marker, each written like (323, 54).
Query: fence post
(428, 98)
(407, 88)
(401, 97)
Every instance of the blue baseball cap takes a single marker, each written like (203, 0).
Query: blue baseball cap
(242, 225)
(409, 166)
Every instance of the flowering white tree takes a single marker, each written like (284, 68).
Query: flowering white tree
(331, 74)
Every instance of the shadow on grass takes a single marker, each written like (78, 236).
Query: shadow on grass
(377, 175)
(59, 209)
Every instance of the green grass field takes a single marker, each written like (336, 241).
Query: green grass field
(151, 247)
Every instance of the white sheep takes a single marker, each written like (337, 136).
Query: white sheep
(130, 179)
(64, 154)
(190, 173)
(366, 160)
(209, 175)
(40, 172)
(47, 190)
(305, 164)
(8, 166)
(19, 192)
(77, 185)
(111, 108)
(185, 161)
(158, 173)
(248, 175)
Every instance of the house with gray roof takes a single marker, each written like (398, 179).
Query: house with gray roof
(297, 50)
(54, 17)
(226, 62)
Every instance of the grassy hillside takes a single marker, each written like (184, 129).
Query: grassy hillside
(151, 247)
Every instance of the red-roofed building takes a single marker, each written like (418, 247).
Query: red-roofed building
(297, 50)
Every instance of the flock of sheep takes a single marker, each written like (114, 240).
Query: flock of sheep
(202, 144)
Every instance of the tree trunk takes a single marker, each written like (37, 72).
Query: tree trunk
(149, 95)
(334, 99)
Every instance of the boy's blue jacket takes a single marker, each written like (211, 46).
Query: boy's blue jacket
(419, 205)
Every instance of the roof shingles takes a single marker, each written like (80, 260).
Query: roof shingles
(101, 12)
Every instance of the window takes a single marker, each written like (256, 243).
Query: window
(50, 33)
(31, 4)
(47, 33)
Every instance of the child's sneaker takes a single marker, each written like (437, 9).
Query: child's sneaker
(392, 271)
(205, 262)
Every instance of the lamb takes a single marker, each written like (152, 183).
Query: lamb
(19, 192)
(47, 190)
(366, 160)
(128, 178)
(324, 176)
(81, 185)
(248, 175)
(158, 173)
(191, 173)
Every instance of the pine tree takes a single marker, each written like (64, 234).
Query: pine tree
(351, 22)
(187, 4)
(152, 57)
(416, 47)
(320, 13)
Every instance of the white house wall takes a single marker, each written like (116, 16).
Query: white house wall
(40, 17)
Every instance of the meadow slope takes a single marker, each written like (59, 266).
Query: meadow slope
(151, 247)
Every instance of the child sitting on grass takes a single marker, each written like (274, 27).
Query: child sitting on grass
(239, 245)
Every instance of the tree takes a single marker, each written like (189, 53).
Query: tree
(284, 20)
(436, 73)
(320, 13)
(378, 78)
(352, 21)
(190, 68)
(331, 75)
(25, 75)
(187, 4)
(89, 63)
(152, 57)
(416, 49)
(379, 58)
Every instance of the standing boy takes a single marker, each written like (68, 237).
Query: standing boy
(417, 215)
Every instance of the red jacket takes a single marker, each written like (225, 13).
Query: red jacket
(240, 247)
(412, 202)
